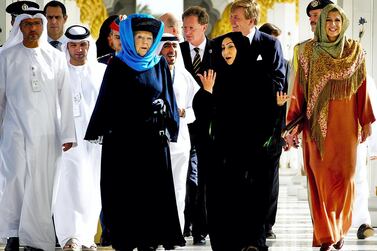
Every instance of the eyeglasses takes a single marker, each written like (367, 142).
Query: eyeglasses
(30, 24)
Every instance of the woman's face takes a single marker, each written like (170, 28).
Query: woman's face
(115, 37)
(228, 50)
(333, 25)
(143, 41)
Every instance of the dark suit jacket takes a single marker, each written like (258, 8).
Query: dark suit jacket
(268, 77)
(206, 61)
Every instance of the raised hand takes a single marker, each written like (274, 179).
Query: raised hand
(282, 98)
(208, 80)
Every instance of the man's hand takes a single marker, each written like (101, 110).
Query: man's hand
(282, 98)
(67, 146)
(182, 112)
(366, 131)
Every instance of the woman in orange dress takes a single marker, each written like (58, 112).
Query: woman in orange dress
(330, 88)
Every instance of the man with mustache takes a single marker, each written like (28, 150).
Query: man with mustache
(33, 133)
(185, 87)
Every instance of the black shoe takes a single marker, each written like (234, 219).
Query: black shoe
(104, 242)
(169, 247)
(365, 231)
(146, 248)
(28, 248)
(13, 244)
(270, 234)
(199, 241)
(187, 233)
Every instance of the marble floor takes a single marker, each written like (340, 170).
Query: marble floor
(293, 226)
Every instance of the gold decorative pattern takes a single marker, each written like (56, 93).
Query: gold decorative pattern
(222, 25)
(265, 5)
(93, 13)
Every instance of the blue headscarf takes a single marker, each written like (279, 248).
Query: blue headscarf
(128, 53)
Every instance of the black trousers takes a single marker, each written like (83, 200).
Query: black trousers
(239, 195)
(195, 205)
(273, 203)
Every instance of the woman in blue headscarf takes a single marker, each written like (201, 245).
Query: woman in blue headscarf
(134, 118)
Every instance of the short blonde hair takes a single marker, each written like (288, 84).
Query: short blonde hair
(251, 9)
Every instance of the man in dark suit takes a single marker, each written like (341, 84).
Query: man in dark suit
(267, 76)
(273, 30)
(196, 52)
(56, 14)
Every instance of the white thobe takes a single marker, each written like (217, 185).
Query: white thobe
(37, 118)
(360, 213)
(78, 199)
(185, 87)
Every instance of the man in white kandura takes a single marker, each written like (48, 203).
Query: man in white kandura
(37, 125)
(185, 87)
(366, 152)
(78, 198)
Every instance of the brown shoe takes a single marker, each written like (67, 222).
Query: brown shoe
(339, 244)
(250, 248)
(365, 231)
(270, 234)
(325, 247)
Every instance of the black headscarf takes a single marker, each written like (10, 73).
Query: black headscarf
(229, 76)
(102, 44)
(231, 92)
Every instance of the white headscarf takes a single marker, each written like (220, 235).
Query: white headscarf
(179, 60)
(92, 52)
(16, 37)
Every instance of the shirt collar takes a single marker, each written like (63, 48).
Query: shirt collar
(201, 46)
(251, 34)
(61, 39)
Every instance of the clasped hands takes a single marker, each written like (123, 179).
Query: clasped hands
(291, 139)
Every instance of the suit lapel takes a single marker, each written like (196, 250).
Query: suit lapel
(255, 50)
(185, 49)
(206, 63)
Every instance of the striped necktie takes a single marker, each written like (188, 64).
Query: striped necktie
(197, 61)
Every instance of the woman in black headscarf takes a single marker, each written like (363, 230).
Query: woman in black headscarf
(235, 196)
(103, 42)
